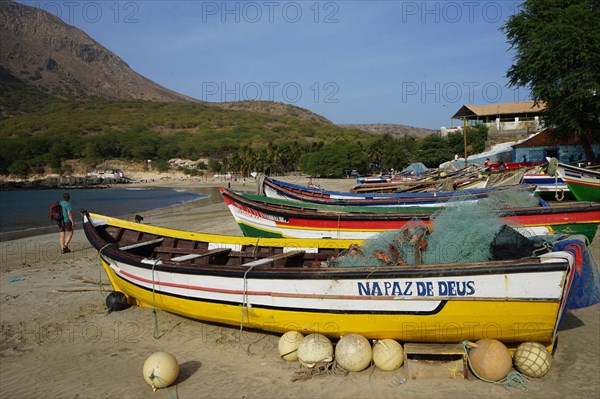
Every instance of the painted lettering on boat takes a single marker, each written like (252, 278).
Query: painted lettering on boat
(416, 288)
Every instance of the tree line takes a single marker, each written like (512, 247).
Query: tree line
(237, 152)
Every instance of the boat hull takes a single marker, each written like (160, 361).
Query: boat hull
(513, 301)
(281, 190)
(548, 187)
(281, 219)
(584, 184)
(434, 319)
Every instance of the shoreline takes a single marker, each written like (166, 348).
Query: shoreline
(192, 185)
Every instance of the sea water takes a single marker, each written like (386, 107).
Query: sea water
(29, 209)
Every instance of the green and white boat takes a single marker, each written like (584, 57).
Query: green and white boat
(583, 183)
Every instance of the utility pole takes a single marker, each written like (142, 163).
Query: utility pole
(465, 139)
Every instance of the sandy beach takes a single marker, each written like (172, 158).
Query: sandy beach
(59, 342)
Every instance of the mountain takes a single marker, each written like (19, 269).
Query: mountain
(38, 49)
(393, 129)
(43, 59)
(273, 108)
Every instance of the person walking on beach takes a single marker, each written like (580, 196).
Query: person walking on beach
(66, 225)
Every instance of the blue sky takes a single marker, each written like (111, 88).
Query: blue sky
(408, 62)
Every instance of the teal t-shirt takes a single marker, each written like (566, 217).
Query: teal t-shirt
(66, 207)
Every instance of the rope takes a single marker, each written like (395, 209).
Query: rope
(153, 377)
(245, 295)
(556, 190)
(514, 379)
(320, 368)
(100, 285)
(244, 303)
(156, 336)
(255, 247)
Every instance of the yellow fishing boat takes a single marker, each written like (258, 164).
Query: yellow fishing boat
(294, 284)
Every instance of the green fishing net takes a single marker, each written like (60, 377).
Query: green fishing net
(459, 233)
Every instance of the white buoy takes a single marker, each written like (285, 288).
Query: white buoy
(313, 349)
(388, 355)
(353, 352)
(160, 370)
(532, 359)
(288, 345)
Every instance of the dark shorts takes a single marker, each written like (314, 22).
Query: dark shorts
(64, 226)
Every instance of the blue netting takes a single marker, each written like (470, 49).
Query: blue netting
(585, 289)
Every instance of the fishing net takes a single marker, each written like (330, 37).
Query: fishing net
(510, 199)
(390, 248)
(463, 232)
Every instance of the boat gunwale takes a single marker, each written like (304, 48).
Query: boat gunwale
(526, 265)
(291, 211)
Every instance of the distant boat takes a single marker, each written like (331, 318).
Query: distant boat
(278, 189)
(259, 216)
(282, 285)
(583, 183)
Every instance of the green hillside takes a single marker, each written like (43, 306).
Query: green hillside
(100, 129)
(233, 140)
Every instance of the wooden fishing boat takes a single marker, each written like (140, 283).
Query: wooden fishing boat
(259, 216)
(273, 188)
(281, 285)
(420, 186)
(583, 183)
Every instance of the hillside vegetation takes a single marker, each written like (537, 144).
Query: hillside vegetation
(233, 140)
(100, 129)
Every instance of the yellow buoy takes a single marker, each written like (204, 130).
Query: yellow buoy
(160, 370)
(490, 359)
(288, 345)
(532, 359)
(313, 349)
(353, 352)
(388, 354)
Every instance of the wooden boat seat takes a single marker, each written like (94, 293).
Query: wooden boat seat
(216, 251)
(274, 258)
(141, 244)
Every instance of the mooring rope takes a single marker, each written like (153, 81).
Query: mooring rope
(156, 336)
(244, 302)
(514, 379)
(319, 369)
(255, 247)
(100, 285)
(556, 190)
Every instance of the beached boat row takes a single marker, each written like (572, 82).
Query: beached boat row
(273, 188)
(307, 267)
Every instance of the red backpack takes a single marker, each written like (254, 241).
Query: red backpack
(56, 213)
